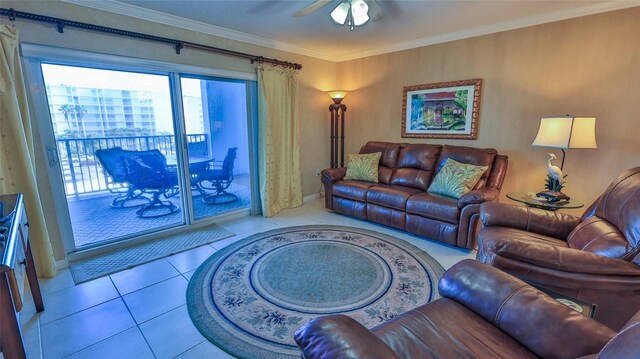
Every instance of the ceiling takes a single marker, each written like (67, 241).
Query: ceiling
(406, 24)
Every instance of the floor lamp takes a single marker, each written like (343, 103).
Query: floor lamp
(337, 127)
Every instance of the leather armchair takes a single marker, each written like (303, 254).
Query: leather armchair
(483, 313)
(594, 258)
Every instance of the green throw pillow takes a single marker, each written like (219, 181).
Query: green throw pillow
(363, 167)
(455, 178)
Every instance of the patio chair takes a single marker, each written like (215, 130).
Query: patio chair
(218, 178)
(147, 170)
(127, 196)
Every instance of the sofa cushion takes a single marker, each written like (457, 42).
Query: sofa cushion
(598, 236)
(620, 206)
(389, 151)
(434, 206)
(387, 160)
(356, 190)
(470, 155)
(390, 196)
(416, 165)
(496, 234)
(456, 179)
(363, 167)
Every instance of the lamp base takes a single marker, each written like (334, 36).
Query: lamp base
(553, 196)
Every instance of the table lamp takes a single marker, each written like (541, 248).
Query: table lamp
(563, 132)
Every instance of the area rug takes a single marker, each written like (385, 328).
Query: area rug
(91, 268)
(250, 297)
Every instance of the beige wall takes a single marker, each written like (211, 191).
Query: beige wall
(316, 76)
(583, 66)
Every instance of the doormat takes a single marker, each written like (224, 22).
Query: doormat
(95, 267)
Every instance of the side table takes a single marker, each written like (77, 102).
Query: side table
(16, 261)
(531, 200)
(582, 307)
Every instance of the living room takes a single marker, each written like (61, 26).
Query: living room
(584, 63)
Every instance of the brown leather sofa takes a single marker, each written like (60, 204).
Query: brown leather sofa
(595, 257)
(401, 200)
(484, 313)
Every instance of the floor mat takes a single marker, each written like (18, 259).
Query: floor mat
(91, 268)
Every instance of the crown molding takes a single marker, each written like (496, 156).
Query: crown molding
(495, 28)
(180, 22)
(184, 23)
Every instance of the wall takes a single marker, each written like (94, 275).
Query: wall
(583, 66)
(315, 77)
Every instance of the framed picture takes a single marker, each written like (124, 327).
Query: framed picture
(442, 110)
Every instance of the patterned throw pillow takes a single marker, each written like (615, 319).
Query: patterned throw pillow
(363, 167)
(455, 178)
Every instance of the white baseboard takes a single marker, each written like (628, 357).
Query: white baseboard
(311, 197)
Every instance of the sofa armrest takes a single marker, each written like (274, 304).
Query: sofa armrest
(485, 194)
(339, 336)
(332, 175)
(553, 224)
(540, 323)
(560, 258)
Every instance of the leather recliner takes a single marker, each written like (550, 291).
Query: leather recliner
(484, 313)
(594, 258)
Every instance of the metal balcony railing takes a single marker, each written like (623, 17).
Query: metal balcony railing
(81, 170)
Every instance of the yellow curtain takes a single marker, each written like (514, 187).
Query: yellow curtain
(17, 160)
(278, 137)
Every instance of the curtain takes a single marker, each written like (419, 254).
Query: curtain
(17, 156)
(278, 140)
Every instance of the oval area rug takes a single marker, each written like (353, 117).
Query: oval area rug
(251, 296)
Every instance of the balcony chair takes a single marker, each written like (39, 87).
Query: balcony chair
(127, 196)
(148, 171)
(483, 313)
(218, 178)
(594, 258)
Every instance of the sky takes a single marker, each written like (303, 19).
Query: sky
(108, 79)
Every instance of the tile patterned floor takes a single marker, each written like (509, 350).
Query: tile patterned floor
(141, 312)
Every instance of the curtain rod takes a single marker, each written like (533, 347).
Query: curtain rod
(178, 44)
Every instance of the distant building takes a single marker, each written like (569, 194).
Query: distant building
(99, 112)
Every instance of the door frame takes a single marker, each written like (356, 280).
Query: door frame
(34, 55)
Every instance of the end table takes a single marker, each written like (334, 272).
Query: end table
(531, 200)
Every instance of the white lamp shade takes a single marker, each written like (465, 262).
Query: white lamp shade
(339, 14)
(359, 10)
(566, 132)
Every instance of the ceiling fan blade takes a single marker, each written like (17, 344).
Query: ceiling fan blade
(375, 11)
(313, 7)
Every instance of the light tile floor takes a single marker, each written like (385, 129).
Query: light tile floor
(141, 312)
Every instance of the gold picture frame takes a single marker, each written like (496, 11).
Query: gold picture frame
(442, 110)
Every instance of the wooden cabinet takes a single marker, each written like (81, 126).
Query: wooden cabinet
(16, 262)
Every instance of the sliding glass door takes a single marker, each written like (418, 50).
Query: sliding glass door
(215, 115)
(116, 151)
(139, 147)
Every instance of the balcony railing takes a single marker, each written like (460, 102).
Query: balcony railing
(81, 170)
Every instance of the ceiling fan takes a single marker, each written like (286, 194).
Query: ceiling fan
(350, 12)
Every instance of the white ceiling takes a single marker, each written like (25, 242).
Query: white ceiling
(406, 24)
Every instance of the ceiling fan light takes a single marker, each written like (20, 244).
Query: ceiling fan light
(359, 10)
(339, 14)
